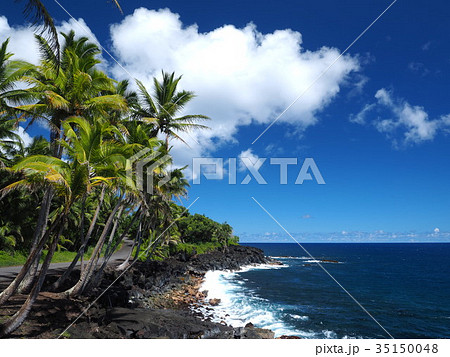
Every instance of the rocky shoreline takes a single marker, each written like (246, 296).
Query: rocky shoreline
(161, 296)
(151, 300)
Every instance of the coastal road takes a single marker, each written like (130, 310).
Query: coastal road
(7, 274)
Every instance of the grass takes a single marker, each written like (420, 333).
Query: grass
(17, 258)
(199, 248)
(8, 259)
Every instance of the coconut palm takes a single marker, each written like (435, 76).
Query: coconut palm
(62, 88)
(76, 88)
(70, 179)
(103, 154)
(161, 111)
(10, 73)
(37, 12)
(40, 171)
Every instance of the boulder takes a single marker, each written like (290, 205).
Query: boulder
(214, 302)
(285, 337)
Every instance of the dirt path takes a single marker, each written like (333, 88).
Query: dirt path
(7, 274)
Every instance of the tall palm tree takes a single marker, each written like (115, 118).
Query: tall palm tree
(162, 109)
(76, 88)
(61, 88)
(37, 12)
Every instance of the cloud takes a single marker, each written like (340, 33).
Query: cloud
(273, 150)
(26, 138)
(21, 41)
(307, 216)
(411, 121)
(247, 155)
(23, 44)
(241, 76)
(419, 68)
(426, 46)
(360, 118)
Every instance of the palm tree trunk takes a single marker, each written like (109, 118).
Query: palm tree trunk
(110, 248)
(88, 271)
(138, 241)
(12, 288)
(19, 317)
(124, 265)
(39, 231)
(57, 284)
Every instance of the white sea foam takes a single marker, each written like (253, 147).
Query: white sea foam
(240, 305)
(298, 317)
(260, 267)
(329, 334)
(288, 257)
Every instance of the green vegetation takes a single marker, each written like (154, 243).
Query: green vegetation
(17, 258)
(80, 193)
(12, 259)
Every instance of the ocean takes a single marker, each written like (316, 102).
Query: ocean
(405, 287)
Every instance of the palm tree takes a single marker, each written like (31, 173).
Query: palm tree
(70, 180)
(37, 12)
(76, 88)
(10, 73)
(161, 110)
(39, 171)
(94, 147)
(62, 88)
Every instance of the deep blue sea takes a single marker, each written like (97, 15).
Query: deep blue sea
(406, 288)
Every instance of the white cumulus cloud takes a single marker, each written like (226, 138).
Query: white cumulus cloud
(23, 44)
(21, 41)
(239, 74)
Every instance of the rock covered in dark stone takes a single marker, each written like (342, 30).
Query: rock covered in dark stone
(232, 258)
(137, 305)
(157, 277)
(251, 332)
(160, 323)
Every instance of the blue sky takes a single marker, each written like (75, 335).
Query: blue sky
(376, 124)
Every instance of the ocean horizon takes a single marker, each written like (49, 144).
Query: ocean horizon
(404, 286)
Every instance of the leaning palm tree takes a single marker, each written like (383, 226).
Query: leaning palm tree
(97, 147)
(162, 109)
(66, 182)
(62, 88)
(71, 180)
